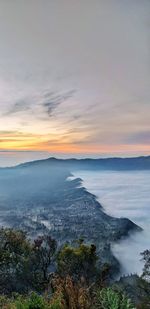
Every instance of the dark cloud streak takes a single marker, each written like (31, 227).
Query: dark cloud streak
(53, 100)
(50, 101)
(20, 106)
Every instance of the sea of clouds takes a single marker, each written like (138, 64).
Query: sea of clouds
(124, 194)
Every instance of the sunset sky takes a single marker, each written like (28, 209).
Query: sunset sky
(75, 77)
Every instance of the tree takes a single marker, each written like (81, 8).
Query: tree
(146, 269)
(14, 253)
(77, 261)
(24, 265)
(44, 249)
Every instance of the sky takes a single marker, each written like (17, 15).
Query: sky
(74, 78)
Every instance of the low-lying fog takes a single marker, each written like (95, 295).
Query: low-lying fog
(124, 194)
(121, 193)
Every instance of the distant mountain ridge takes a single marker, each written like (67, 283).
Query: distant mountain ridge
(116, 163)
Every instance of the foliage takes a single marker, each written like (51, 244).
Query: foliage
(4, 302)
(144, 287)
(72, 294)
(109, 299)
(76, 284)
(14, 253)
(32, 301)
(44, 250)
(79, 261)
(24, 265)
(146, 269)
(69, 295)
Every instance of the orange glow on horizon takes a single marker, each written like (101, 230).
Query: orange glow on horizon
(35, 143)
(60, 144)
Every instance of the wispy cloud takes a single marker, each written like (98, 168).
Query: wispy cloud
(41, 102)
(52, 100)
(20, 106)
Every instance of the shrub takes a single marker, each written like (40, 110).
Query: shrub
(33, 302)
(71, 294)
(109, 299)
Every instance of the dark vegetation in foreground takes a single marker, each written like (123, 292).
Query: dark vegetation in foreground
(38, 275)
